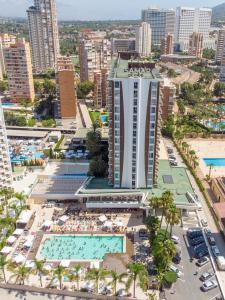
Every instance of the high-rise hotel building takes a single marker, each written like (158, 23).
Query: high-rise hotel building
(144, 39)
(134, 123)
(18, 66)
(43, 30)
(5, 164)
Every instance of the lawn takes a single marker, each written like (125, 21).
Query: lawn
(94, 115)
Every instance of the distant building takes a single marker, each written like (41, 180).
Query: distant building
(122, 45)
(67, 97)
(18, 65)
(5, 41)
(220, 45)
(166, 47)
(94, 54)
(134, 123)
(100, 87)
(43, 30)
(5, 164)
(189, 20)
(196, 44)
(168, 98)
(162, 22)
(143, 39)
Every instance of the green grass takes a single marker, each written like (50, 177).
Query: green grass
(94, 115)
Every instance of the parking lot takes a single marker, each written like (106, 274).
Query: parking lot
(188, 286)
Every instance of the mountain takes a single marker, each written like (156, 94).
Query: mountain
(218, 12)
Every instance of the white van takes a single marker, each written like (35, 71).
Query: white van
(220, 260)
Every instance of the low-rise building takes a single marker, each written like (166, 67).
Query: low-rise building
(219, 209)
(122, 45)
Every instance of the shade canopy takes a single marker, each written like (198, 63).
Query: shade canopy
(102, 218)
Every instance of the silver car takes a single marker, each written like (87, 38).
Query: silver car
(209, 285)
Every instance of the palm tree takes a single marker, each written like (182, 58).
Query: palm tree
(155, 202)
(39, 269)
(172, 217)
(137, 272)
(58, 273)
(21, 197)
(3, 264)
(21, 273)
(75, 276)
(116, 278)
(7, 193)
(96, 275)
(167, 200)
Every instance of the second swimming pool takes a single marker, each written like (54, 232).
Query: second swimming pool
(81, 247)
(216, 162)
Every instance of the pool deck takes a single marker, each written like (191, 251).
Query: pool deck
(47, 235)
(209, 148)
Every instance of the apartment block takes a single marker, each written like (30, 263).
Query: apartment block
(189, 20)
(5, 164)
(5, 41)
(162, 22)
(143, 39)
(94, 54)
(196, 44)
(168, 98)
(67, 96)
(220, 45)
(100, 87)
(19, 70)
(134, 103)
(122, 45)
(166, 47)
(43, 31)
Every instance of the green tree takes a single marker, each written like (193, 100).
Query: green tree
(166, 201)
(21, 273)
(58, 274)
(97, 167)
(137, 272)
(209, 53)
(219, 89)
(3, 265)
(3, 86)
(97, 275)
(163, 252)
(75, 276)
(21, 197)
(171, 73)
(84, 88)
(39, 270)
(116, 278)
(172, 217)
(49, 87)
(153, 225)
(93, 143)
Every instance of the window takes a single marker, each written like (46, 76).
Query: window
(136, 85)
(153, 110)
(135, 110)
(152, 125)
(117, 84)
(135, 94)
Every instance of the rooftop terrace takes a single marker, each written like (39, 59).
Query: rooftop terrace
(122, 68)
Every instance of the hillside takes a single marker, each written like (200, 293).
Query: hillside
(218, 12)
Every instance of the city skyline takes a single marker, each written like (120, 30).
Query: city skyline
(69, 10)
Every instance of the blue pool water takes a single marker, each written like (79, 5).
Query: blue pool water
(27, 153)
(8, 104)
(104, 118)
(216, 126)
(216, 162)
(81, 247)
(76, 175)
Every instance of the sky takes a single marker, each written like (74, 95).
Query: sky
(99, 9)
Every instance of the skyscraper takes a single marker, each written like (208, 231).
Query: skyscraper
(162, 22)
(143, 39)
(67, 98)
(19, 70)
(43, 30)
(166, 47)
(5, 41)
(94, 54)
(134, 123)
(220, 45)
(189, 20)
(196, 44)
(5, 164)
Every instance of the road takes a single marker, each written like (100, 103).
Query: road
(203, 214)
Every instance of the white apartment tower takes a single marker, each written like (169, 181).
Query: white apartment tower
(43, 30)
(143, 39)
(5, 164)
(189, 20)
(134, 103)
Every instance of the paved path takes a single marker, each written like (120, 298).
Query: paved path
(85, 114)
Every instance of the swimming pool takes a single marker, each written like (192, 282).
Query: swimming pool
(81, 247)
(104, 118)
(26, 152)
(216, 162)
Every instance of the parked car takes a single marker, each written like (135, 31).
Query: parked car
(202, 261)
(177, 258)
(220, 260)
(209, 285)
(173, 163)
(172, 156)
(208, 232)
(212, 240)
(207, 275)
(175, 239)
(204, 223)
(215, 251)
(176, 270)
